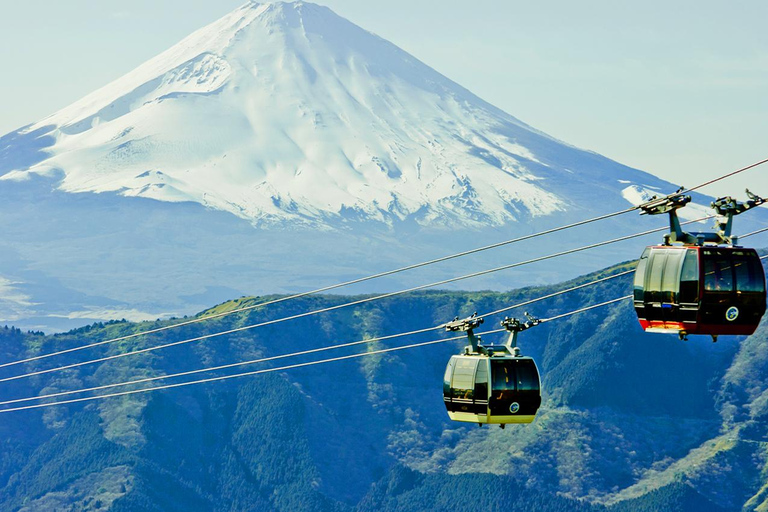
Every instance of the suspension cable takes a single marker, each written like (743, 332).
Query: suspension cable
(367, 278)
(561, 292)
(344, 305)
(332, 347)
(724, 176)
(593, 306)
(284, 368)
(222, 367)
(243, 374)
(320, 290)
(753, 233)
(308, 351)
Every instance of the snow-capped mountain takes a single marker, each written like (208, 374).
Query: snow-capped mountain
(278, 149)
(288, 112)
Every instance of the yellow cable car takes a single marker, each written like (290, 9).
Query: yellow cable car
(491, 384)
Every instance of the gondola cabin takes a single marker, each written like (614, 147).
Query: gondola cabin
(704, 289)
(495, 387)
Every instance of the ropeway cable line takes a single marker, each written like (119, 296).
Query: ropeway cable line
(724, 176)
(375, 276)
(311, 351)
(343, 305)
(293, 366)
(320, 290)
(331, 347)
(756, 232)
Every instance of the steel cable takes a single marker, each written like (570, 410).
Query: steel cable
(287, 367)
(308, 351)
(318, 290)
(340, 306)
(150, 379)
(370, 277)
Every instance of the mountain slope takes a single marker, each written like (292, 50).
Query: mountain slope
(287, 441)
(280, 149)
(258, 112)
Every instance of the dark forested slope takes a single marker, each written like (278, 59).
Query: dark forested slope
(630, 421)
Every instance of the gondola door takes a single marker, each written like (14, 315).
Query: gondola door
(516, 390)
(661, 287)
(465, 388)
(689, 292)
(718, 286)
(733, 299)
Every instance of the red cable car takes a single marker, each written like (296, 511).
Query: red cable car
(703, 284)
(699, 290)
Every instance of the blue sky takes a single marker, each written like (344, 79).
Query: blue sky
(676, 88)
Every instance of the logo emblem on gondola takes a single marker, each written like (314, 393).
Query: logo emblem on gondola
(514, 407)
(732, 313)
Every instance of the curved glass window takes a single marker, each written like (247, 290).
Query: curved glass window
(481, 381)
(464, 378)
(642, 263)
(503, 373)
(749, 272)
(527, 376)
(656, 270)
(671, 276)
(689, 277)
(718, 272)
(447, 377)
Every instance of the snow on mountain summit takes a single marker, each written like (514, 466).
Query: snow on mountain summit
(288, 112)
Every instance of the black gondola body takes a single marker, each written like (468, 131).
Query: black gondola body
(699, 290)
(498, 388)
(700, 283)
(491, 384)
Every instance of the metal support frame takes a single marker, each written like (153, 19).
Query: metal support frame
(515, 326)
(725, 207)
(467, 325)
(670, 205)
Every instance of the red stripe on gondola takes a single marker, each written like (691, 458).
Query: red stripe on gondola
(693, 328)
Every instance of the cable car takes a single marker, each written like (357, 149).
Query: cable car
(491, 384)
(699, 290)
(700, 283)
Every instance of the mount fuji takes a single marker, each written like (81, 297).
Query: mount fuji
(280, 148)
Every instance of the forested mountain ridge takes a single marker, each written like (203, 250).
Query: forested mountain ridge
(630, 421)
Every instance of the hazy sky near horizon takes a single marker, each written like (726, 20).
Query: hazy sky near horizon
(678, 89)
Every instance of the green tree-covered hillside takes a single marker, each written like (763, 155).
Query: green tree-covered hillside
(630, 421)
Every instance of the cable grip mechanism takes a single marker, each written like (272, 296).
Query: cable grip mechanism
(467, 325)
(726, 207)
(515, 326)
(670, 204)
